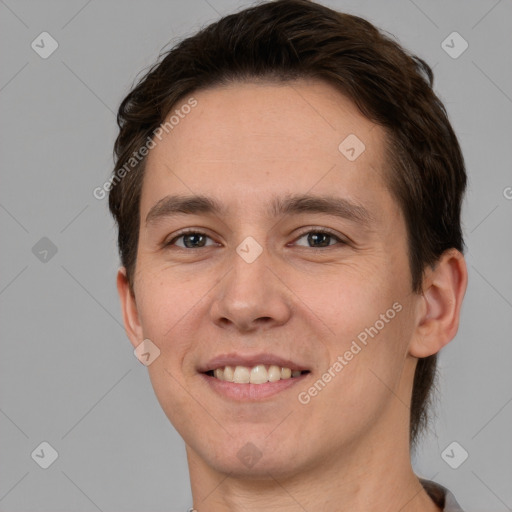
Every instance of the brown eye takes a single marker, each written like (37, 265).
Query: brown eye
(318, 239)
(190, 240)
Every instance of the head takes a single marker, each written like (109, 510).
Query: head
(253, 112)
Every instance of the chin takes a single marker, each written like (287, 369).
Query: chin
(258, 460)
(263, 469)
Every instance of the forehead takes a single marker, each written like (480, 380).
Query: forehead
(253, 139)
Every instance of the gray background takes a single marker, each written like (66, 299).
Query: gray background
(67, 371)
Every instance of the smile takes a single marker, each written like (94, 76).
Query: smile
(258, 374)
(254, 377)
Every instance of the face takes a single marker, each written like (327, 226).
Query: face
(294, 260)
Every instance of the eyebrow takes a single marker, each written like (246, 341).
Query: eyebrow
(172, 205)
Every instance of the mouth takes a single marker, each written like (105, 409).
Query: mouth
(257, 374)
(251, 378)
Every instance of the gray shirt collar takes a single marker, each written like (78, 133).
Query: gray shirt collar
(441, 496)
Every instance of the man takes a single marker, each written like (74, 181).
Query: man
(288, 191)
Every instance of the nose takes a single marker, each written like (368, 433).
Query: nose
(251, 296)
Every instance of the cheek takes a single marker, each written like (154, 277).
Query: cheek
(349, 298)
(166, 311)
(165, 300)
(179, 405)
(367, 383)
(369, 326)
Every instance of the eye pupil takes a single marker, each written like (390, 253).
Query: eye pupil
(318, 237)
(195, 237)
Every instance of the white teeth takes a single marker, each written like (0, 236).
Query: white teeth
(274, 373)
(286, 373)
(242, 375)
(229, 374)
(259, 374)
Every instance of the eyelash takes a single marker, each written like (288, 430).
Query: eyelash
(323, 231)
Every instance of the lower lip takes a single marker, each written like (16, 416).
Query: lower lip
(251, 392)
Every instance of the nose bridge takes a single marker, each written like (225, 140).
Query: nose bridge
(250, 294)
(249, 271)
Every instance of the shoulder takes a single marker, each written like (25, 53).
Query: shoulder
(441, 496)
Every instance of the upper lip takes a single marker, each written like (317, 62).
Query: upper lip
(250, 360)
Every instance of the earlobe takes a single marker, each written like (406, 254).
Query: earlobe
(441, 301)
(129, 309)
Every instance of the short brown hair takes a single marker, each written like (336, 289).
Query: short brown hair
(286, 40)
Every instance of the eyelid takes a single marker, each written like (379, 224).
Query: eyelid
(310, 229)
(183, 232)
(317, 229)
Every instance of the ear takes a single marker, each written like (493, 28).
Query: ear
(439, 305)
(129, 309)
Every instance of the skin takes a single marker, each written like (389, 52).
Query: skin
(241, 145)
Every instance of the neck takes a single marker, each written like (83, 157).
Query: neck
(369, 470)
(365, 477)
